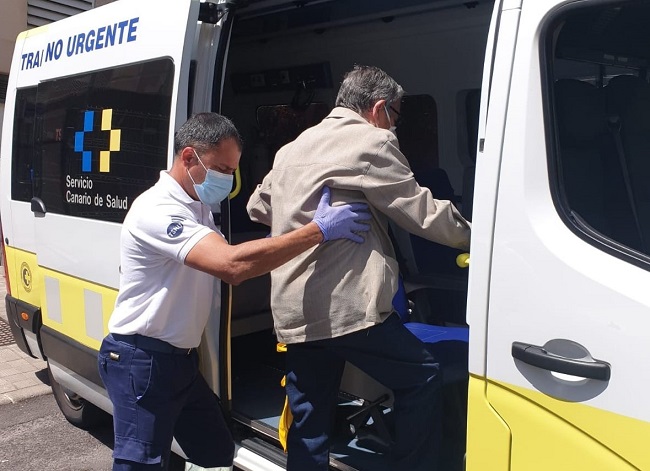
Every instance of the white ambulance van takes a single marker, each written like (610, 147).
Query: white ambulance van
(532, 115)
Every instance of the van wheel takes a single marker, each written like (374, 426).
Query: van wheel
(75, 408)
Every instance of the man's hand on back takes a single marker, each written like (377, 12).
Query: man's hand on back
(341, 222)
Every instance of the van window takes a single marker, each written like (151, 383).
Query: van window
(22, 159)
(600, 124)
(102, 138)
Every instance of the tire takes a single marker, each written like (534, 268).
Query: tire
(75, 408)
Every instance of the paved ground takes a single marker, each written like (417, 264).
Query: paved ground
(21, 376)
(34, 436)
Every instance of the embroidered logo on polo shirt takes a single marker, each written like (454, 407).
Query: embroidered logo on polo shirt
(175, 229)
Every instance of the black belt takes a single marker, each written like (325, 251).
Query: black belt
(149, 343)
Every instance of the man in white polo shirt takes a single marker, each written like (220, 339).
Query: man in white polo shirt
(172, 258)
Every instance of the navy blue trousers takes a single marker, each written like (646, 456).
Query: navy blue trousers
(394, 357)
(157, 396)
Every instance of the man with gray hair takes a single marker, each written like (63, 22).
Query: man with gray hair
(333, 303)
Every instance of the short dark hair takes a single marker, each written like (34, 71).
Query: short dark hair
(364, 86)
(204, 131)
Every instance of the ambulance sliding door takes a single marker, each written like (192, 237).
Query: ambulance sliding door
(111, 89)
(569, 305)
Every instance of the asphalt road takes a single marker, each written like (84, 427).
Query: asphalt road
(34, 436)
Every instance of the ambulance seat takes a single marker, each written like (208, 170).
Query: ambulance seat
(448, 344)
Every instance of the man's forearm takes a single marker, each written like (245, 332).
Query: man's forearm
(257, 257)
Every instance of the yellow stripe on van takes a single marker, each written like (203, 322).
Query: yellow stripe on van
(77, 308)
(548, 433)
(74, 307)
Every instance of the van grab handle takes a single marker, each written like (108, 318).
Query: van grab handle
(463, 260)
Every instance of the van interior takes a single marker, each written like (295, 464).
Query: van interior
(284, 67)
(285, 63)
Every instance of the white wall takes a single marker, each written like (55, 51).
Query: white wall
(13, 20)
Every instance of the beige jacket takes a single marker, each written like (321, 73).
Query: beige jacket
(341, 286)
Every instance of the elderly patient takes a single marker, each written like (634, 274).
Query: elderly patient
(333, 302)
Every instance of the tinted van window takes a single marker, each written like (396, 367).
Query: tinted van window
(597, 61)
(102, 138)
(22, 163)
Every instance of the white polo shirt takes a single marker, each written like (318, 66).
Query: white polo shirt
(159, 295)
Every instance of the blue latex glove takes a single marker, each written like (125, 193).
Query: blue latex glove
(341, 222)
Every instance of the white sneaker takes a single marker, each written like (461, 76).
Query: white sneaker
(193, 467)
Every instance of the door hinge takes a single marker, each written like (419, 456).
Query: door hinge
(212, 13)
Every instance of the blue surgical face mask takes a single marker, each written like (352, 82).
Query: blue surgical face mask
(215, 188)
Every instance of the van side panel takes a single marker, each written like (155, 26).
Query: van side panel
(78, 241)
(560, 435)
(25, 276)
(92, 105)
(559, 295)
(488, 437)
(17, 225)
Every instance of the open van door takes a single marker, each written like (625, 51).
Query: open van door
(568, 313)
(93, 102)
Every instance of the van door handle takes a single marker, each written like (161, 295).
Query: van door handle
(37, 206)
(538, 356)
